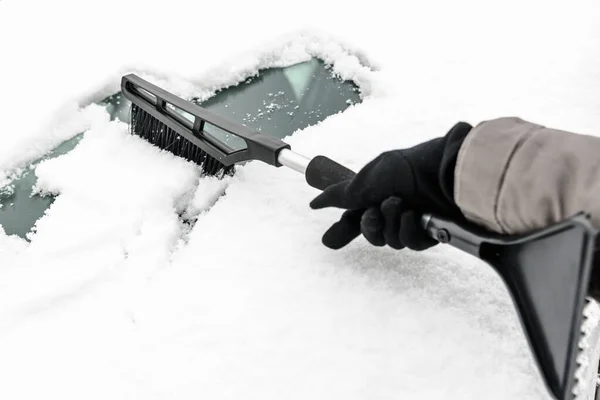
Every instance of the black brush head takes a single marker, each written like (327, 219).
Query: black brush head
(152, 130)
(189, 131)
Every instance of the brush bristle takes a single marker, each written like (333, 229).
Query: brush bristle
(157, 133)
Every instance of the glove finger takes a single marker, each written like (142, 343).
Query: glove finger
(335, 196)
(344, 231)
(372, 224)
(392, 209)
(412, 233)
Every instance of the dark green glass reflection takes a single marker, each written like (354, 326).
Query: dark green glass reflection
(19, 207)
(280, 101)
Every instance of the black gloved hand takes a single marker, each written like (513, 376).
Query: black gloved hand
(386, 199)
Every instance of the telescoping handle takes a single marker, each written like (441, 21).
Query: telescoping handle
(322, 172)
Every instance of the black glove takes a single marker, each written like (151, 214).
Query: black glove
(386, 199)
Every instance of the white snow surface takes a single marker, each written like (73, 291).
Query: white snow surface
(115, 297)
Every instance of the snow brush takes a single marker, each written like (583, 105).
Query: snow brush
(547, 272)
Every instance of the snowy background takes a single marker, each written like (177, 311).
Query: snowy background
(115, 298)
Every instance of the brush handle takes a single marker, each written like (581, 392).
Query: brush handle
(322, 172)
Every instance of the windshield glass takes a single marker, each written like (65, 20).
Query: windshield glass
(277, 101)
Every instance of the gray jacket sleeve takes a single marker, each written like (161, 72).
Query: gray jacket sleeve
(514, 176)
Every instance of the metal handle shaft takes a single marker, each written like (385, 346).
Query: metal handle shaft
(293, 160)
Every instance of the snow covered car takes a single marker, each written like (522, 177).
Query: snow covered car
(144, 279)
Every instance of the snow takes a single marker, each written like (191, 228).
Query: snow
(118, 297)
(587, 375)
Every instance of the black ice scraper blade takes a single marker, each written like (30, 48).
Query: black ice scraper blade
(547, 273)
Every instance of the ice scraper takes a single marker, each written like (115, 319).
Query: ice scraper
(547, 272)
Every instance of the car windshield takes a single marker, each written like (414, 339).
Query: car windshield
(277, 101)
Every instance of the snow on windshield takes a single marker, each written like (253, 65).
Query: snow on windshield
(117, 297)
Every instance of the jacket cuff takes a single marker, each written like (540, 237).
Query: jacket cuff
(480, 168)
